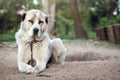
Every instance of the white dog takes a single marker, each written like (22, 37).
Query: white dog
(33, 30)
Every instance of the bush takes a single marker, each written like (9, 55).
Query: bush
(105, 21)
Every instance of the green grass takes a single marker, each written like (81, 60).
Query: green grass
(8, 36)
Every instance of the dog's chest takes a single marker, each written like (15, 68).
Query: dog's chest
(39, 51)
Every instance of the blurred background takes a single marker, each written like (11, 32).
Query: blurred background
(70, 19)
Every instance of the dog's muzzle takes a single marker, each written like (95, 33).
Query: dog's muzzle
(35, 31)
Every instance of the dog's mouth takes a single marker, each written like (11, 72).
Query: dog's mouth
(36, 38)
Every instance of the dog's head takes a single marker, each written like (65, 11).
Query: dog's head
(34, 25)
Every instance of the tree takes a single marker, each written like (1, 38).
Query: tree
(8, 17)
(103, 8)
(80, 32)
(49, 8)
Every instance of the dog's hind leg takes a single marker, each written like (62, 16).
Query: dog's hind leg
(58, 50)
(61, 58)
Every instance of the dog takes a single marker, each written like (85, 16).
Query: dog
(34, 43)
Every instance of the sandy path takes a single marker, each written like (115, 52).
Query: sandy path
(97, 62)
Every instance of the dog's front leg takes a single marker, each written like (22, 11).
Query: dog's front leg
(23, 67)
(41, 59)
(40, 66)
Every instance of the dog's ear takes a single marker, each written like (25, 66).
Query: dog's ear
(46, 18)
(23, 16)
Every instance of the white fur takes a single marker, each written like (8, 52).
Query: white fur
(42, 51)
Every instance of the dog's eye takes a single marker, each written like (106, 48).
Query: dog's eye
(31, 21)
(40, 22)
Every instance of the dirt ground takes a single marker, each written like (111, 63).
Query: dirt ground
(88, 60)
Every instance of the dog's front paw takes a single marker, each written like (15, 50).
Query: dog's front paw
(29, 68)
(34, 70)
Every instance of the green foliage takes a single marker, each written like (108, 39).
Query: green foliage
(85, 18)
(29, 4)
(64, 22)
(105, 21)
(9, 19)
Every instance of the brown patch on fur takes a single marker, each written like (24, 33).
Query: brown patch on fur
(32, 63)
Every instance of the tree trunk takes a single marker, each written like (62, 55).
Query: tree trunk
(80, 32)
(45, 6)
(49, 8)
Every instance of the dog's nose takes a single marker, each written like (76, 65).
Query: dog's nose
(35, 31)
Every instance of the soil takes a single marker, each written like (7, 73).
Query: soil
(87, 60)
